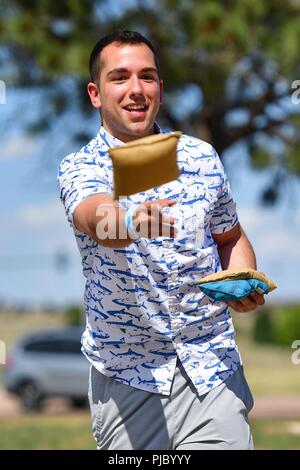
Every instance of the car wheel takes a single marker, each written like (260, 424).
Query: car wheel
(79, 402)
(31, 396)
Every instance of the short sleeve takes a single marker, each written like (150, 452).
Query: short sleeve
(81, 176)
(224, 216)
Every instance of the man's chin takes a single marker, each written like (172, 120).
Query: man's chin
(139, 130)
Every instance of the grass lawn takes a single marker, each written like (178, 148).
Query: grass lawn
(276, 434)
(73, 431)
(269, 369)
(14, 325)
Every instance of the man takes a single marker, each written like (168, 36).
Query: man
(165, 369)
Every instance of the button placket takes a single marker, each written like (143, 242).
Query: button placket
(176, 323)
(167, 244)
(172, 283)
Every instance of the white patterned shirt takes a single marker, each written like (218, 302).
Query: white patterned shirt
(143, 310)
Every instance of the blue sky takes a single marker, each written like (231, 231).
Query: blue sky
(34, 230)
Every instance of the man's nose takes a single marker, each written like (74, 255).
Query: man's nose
(135, 86)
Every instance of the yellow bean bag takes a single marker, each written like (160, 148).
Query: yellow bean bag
(144, 163)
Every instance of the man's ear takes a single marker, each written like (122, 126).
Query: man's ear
(161, 86)
(94, 94)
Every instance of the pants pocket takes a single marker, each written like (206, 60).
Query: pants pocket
(238, 384)
(96, 394)
(246, 394)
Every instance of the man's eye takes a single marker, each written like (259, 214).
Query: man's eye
(148, 78)
(119, 79)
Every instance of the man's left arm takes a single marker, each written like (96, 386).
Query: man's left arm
(235, 252)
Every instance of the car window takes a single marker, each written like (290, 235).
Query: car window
(54, 346)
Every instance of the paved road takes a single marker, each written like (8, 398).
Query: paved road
(10, 406)
(276, 407)
(265, 407)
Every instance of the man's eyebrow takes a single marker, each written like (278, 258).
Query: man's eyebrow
(124, 70)
(115, 71)
(149, 69)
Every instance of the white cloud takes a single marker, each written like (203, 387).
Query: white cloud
(256, 218)
(38, 227)
(35, 215)
(39, 232)
(281, 243)
(272, 234)
(18, 147)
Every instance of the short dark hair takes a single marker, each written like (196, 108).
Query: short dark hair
(121, 36)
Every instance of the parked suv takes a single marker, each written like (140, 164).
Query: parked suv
(45, 364)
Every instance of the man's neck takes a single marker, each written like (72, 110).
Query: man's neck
(156, 130)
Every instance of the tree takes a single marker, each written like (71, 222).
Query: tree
(75, 315)
(228, 66)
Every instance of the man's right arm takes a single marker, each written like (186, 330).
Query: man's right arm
(103, 219)
(104, 210)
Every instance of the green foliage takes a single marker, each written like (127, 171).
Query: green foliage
(279, 326)
(293, 160)
(286, 325)
(261, 158)
(263, 327)
(275, 433)
(74, 315)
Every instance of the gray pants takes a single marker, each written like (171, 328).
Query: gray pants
(124, 417)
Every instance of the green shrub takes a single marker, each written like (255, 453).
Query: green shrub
(75, 315)
(278, 325)
(263, 327)
(263, 331)
(286, 323)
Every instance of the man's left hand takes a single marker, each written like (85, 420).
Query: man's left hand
(247, 304)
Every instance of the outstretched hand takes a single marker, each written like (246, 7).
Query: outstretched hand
(149, 222)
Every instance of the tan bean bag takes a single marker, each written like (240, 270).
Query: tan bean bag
(144, 163)
(235, 284)
(232, 274)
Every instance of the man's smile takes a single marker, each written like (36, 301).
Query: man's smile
(136, 110)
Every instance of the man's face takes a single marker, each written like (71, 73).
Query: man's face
(129, 90)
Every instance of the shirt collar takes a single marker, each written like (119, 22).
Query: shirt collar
(111, 141)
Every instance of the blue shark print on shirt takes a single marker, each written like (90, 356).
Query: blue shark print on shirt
(143, 310)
